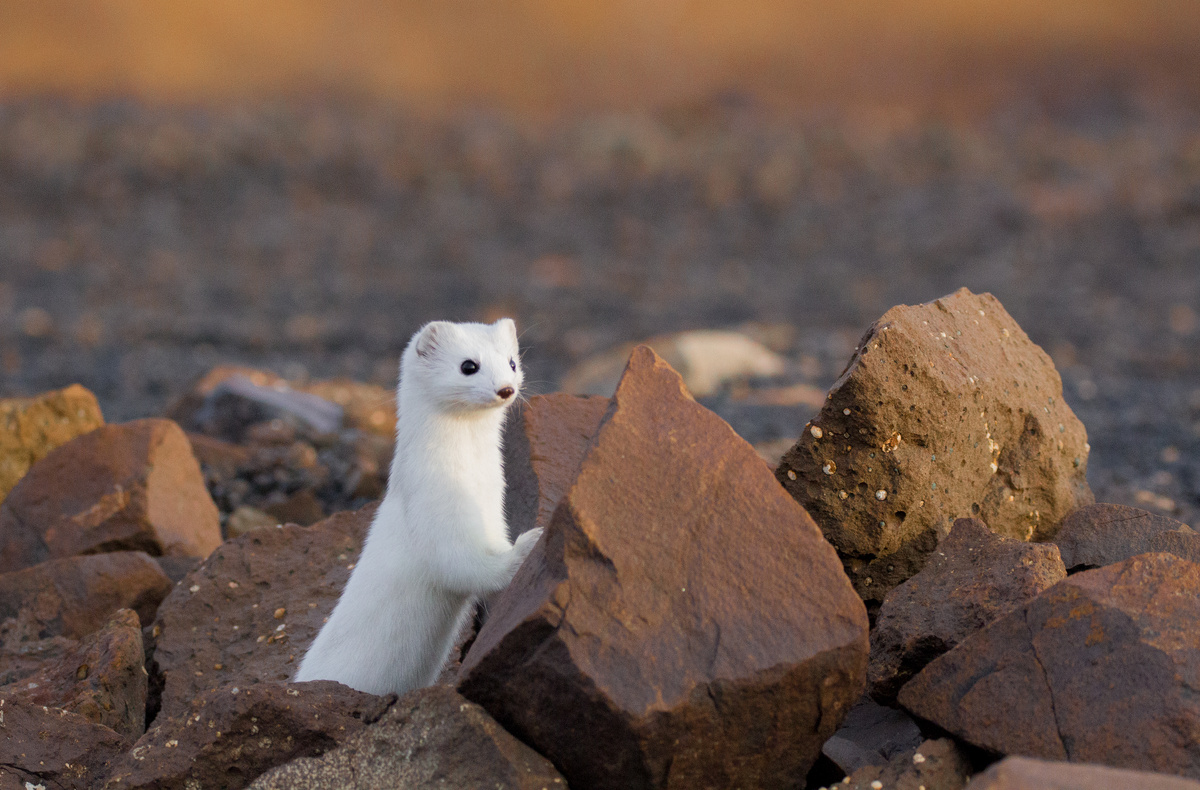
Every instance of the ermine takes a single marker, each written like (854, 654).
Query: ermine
(439, 539)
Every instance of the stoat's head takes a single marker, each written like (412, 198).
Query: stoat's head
(465, 367)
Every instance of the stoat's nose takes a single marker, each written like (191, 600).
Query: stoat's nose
(505, 392)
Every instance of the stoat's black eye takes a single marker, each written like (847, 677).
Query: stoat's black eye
(512, 364)
(469, 367)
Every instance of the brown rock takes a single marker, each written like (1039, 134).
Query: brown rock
(227, 736)
(218, 626)
(1099, 668)
(947, 410)
(430, 738)
(1101, 534)
(300, 508)
(32, 427)
(102, 679)
(134, 486)
(246, 519)
(74, 596)
(974, 577)
(543, 445)
(1022, 773)
(933, 765)
(367, 407)
(682, 623)
(53, 748)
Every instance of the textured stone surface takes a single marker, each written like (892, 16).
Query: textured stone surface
(75, 595)
(1101, 534)
(974, 577)
(32, 427)
(430, 738)
(1100, 668)
(135, 486)
(53, 748)
(1023, 773)
(932, 765)
(682, 623)
(871, 734)
(249, 612)
(544, 443)
(947, 410)
(102, 679)
(227, 736)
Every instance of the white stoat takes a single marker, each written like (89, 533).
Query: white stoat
(439, 538)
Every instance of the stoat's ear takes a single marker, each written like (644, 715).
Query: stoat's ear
(507, 328)
(429, 337)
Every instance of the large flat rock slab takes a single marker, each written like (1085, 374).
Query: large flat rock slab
(130, 487)
(252, 608)
(947, 410)
(1100, 668)
(431, 738)
(682, 623)
(230, 735)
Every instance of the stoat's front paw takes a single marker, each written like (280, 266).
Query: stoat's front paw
(524, 545)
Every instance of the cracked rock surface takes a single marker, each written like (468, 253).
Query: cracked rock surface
(1100, 668)
(681, 610)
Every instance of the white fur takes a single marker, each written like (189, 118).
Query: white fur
(439, 539)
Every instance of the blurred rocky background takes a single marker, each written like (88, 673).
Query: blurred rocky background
(296, 187)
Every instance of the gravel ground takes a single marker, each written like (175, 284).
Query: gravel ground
(141, 245)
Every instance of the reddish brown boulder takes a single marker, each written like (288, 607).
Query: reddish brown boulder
(74, 596)
(134, 486)
(1100, 668)
(1022, 773)
(32, 427)
(52, 748)
(1102, 534)
(947, 410)
(544, 443)
(430, 738)
(932, 765)
(102, 679)
(249, 612)
(227, 736)
(682, 623)
(974, 577)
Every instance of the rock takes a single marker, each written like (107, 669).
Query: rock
(932, 765)
(1022, 773)
(681, 610)
(544, 443)
(249, 612)
(367, 407)
(74, 596)
(974, 577)
(705, 358)
(431, 738)
(947, 410)
(134, 486)
(103, 679)
(227, 736)
(1101, 534)
(227, 401)
(32, 427)
(300, 508)
(871, 734)
(53, 748)
(1184, 544)
(1099, 668)
(247, 518)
